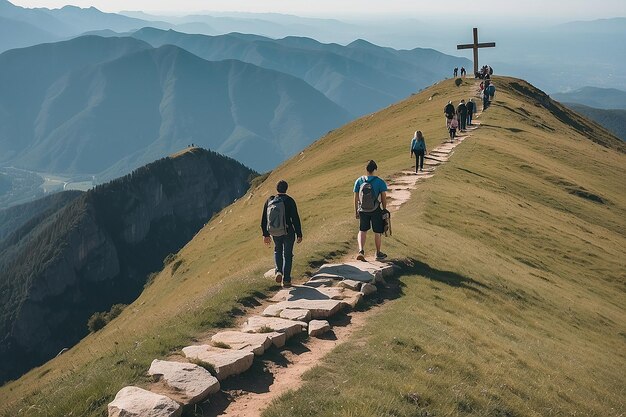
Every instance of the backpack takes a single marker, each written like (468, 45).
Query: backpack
(276, 218)
(367, 201)
(418, 146)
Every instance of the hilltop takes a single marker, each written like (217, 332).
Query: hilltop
(511, 297)
(72, 254)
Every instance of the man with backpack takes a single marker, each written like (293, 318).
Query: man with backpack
(280, 222)
(370, 203)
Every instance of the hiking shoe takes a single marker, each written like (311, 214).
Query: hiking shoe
(286, 284)
(380, 256)
(360, 256)
(279, 277)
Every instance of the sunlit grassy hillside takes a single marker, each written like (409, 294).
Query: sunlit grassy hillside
(513, 290)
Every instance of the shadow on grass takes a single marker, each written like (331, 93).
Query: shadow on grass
(453, 279)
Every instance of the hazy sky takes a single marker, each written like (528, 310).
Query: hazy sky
(556, 9)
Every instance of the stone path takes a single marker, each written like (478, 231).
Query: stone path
(301, 311)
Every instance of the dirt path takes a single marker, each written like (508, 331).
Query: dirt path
(280, 371)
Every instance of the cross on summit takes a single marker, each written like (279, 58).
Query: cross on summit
(475, 46)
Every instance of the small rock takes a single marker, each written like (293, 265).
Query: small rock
(256, 343)
(225, 362)
(295, 314)
(368, 289)
(351, 284)
(190, 381)
(270, 274)
(353, 300)
(318, 327)
(137, 402)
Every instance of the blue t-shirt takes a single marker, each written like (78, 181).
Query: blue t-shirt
(378, 184)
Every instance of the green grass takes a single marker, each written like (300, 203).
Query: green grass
(513, 289)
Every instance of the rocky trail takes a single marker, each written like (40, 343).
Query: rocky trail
(238, 372)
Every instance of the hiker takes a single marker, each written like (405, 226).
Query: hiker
(280, 222)
(461, 111)
(491, 91)
(418, 147)
(456, 72)
(470, 111)
(454, 124)
(449, 111)
(463, 72)
(370, 203)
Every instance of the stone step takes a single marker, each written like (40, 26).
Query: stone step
(318, 308)
(320, 282)
(225, 362)
(305, 292)
(190, 383)
(290, 328)
(296, 315)
(369, 271)
(252, 342)
(135, 401)
(318, 327)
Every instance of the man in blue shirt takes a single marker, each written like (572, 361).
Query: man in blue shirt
(370, 200)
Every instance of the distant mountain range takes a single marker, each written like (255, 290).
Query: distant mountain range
(600, 98)
(107, 105)
(361, 77)
(71, 254)
(614, 120)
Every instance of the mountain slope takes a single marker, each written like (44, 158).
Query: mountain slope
(614, 120)
(108, 114)
(360, 77)
(600, 98)
(78, 254)
(512, 286)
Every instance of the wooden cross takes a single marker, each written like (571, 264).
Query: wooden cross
(475, 47)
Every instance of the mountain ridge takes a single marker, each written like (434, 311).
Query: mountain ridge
(532, 212)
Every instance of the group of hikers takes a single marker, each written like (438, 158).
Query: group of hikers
(456, 72)
(280, 222)
(487, 91)
(485, 73)
(459, 117)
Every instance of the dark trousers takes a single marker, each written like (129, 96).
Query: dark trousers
(469, 118)
(462, 121)
(283, 254)
(419, 160)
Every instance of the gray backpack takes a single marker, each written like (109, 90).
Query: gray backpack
(276, 219)
(367, 201)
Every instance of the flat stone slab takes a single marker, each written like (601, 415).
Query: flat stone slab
(192, 383)
(318, 308)
(296, 314)
(357, 271)
(318, 328)
(281, 295)
(255, 343)
(353, 300)
(351, 284)
(320, 275)
(387, 269)
(137, 402)
(278, 339)
(304, 292)
(225, 362)
(290, 328)
(320, 282)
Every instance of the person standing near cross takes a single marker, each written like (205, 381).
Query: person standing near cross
(475, 46)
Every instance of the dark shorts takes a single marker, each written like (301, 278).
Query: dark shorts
(373, 219)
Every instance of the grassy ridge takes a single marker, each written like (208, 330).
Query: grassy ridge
(509, 251)
(513, 297)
